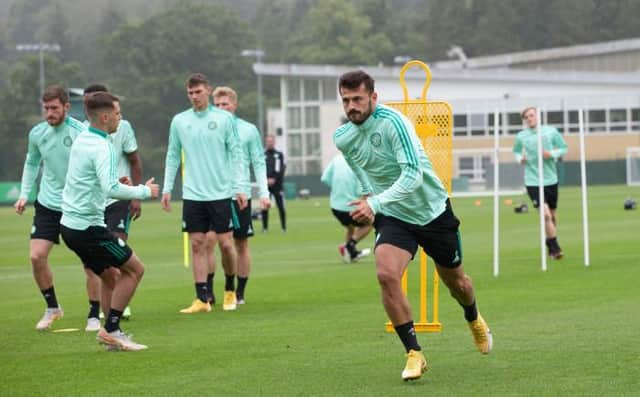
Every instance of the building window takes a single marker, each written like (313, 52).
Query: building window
(294, 167)
(597, 120)
(491, 121)
(294, 118)
(312, 117)
(635, 119)
(312, 144)
(574, 127)
(460, 125)
(329, 90)
(294, 144)
(311, 90)
(477, 124)
(293, 90)
(618, 120)
(313, 167)
(474, 168)
(514, 122)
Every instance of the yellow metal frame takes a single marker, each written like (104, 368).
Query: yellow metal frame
(433, 122)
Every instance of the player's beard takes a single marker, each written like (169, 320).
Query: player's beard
(55, 121)
(357, 117)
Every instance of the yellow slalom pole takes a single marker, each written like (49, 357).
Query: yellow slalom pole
(185, 235)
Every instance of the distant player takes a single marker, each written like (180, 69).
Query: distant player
(525, 150)
(345, 189)
(276, 168)
(252, 159)
(91, 179)
(49, 145)
(209, 139)
(409, 208)
(118, 213)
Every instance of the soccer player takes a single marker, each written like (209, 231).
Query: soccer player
(525, 150)
(209, 139)
(252, 158)
(275, 176)
(345, 189)
(49, 144)
(118, 213)
(408, 206)
(91, 179)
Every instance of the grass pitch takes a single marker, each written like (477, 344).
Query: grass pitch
(313, 326)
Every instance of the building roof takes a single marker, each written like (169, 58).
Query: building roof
(548, 54)
(469, 74)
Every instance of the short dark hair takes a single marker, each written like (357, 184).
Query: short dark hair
(55, 91)
(97, 87)
(354, 79)
(197, 79)
(97, 101)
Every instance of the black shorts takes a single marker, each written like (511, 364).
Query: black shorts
(46, 223)
(242, 225)
(550, 195)
(97, 248)
(345, 219)
(439, 238)
(204, 216)
(117, 218)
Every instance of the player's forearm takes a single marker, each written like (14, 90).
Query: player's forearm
(172, 162)
(409, 180)
(123, 192)
(135, 164)
(29, 175)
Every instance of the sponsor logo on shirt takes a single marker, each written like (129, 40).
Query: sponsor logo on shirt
(212, 125)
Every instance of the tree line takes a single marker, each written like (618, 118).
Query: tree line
(144, 50)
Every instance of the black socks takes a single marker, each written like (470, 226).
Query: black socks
(49, 295)
(407, 335)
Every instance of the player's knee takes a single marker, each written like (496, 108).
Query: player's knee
(38, 258)
(386, 277)
(199, 243)
(461, 285)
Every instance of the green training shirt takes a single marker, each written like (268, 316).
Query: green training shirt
(50, 146)
(343, 184)
(91, 179)
(211, 147)
(252, 155)
(124, 143)
(385, 154)
(526, 144)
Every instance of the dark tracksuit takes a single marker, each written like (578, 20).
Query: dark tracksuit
(275, 169)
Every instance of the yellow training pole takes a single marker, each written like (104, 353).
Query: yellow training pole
(185, 235)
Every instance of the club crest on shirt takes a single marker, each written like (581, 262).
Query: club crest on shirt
(212, 125)
(375, 139)
(67, 141)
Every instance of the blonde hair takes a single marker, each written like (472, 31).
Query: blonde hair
(226, 91)
(525, 110)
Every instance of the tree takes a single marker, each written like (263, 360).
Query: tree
(149, 63)
(19, 108)
(334, 32)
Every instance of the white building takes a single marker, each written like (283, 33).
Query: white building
(603, 79)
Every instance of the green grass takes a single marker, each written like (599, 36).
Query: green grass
(314, 326)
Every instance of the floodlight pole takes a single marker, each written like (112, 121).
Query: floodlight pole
(258, 54)
(41, 48)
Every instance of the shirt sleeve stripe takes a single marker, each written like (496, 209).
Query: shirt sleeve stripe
(402, 133)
